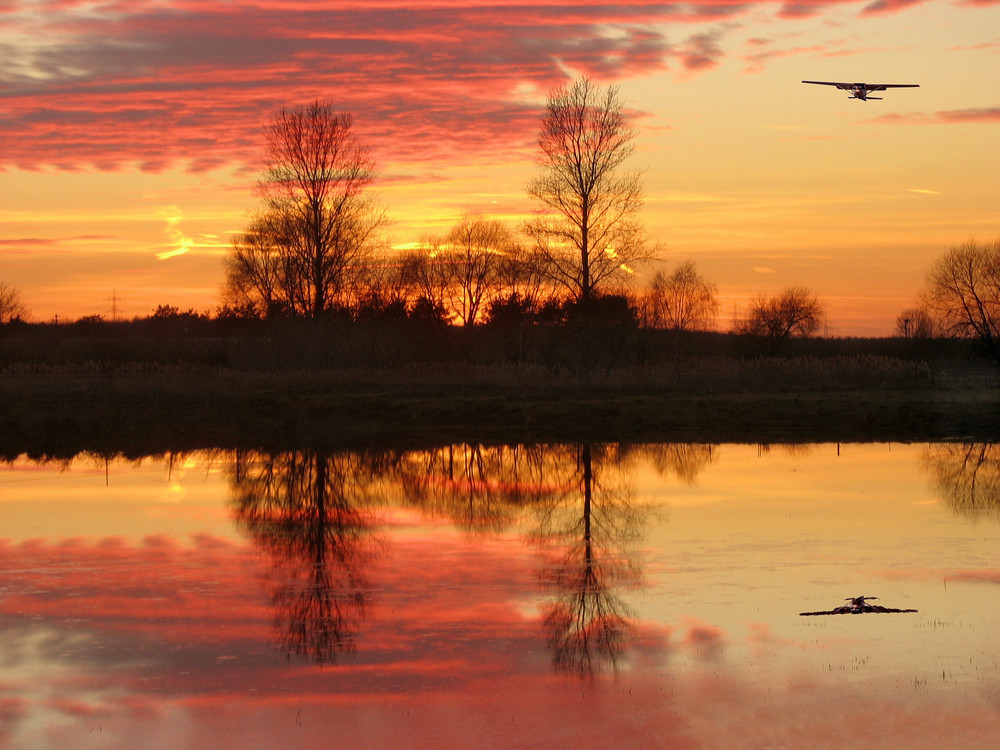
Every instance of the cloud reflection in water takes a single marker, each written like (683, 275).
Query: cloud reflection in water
(367, 608)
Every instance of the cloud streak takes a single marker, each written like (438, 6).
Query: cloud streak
(984, 115)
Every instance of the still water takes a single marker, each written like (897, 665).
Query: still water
(570, 596)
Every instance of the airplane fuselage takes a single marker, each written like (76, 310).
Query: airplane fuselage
(861, 90)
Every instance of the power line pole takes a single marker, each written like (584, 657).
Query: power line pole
(114, 299)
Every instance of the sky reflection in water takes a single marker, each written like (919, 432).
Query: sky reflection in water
(502, 597)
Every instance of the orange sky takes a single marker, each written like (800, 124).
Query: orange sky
(131, 133)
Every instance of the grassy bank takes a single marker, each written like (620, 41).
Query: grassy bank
(136, 410)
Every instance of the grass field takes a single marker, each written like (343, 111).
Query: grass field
(138, 410)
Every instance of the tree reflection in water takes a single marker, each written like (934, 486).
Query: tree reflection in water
(967, 475)
(684, 460)
(586, 535)
(480, 488)
(308, 512)
(584, 522)
(313, 514)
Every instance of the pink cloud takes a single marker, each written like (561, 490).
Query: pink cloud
(987, 115)
(24, 243)
(156, 85)
(807, 8)
(761, 55)
(702, 51)
(929, 574)
(974, 576)
(889, 6)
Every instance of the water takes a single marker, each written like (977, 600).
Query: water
(478, 597)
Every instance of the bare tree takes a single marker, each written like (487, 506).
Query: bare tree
(794, 312)
(255, 270)
(683, 301)
(915, 323)
(522, 275)
(319, 221)
(424, 278)
(466, 270)
(11, 307)
(964, 293)
(587, 230)
(477, 248)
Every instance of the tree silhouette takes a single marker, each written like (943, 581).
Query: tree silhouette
(682, 301)
(793, 312)
(11, 307)
(318, 222)
(964, 293)
(306, 511)
(915, 323)
(465, 270)
(587, 232)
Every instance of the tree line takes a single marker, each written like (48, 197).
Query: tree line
(314, 243)
(313, 246)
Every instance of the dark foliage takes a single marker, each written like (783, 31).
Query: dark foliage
(597, 335)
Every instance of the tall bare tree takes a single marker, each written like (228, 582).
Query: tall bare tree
(11, 306)
(964, 293)
(587, 229)
(682, 301)
(319, 220)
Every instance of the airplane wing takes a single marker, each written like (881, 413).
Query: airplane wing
(867, 86)
(844, 86)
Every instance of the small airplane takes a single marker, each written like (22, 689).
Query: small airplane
(861, 90)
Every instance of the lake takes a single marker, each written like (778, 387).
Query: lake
(563, 596)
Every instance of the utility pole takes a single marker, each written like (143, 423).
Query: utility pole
(114, 299)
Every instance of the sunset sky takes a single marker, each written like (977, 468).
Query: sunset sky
(131, 133)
